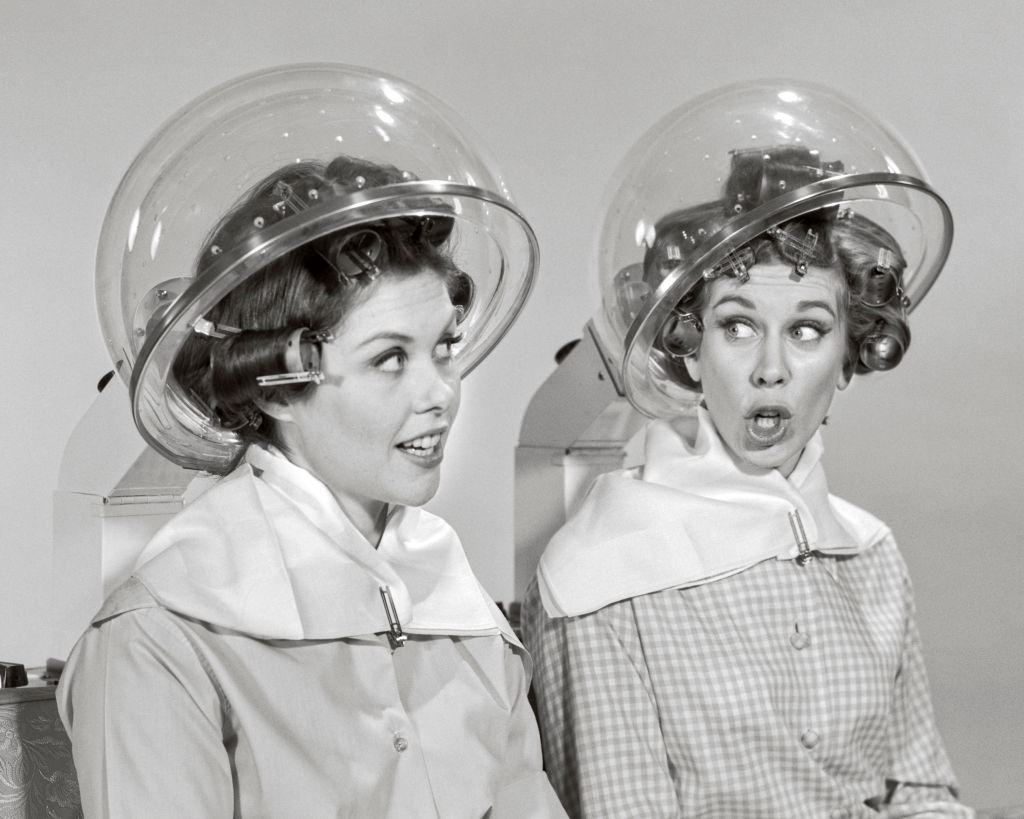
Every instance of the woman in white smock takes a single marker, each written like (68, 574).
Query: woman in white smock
(305, 640)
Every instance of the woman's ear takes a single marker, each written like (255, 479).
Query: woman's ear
(692, 363)
(278, 410)
(843, 378)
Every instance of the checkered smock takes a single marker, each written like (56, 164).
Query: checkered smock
(781, 691)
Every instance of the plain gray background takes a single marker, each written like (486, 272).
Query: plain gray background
(559, 91)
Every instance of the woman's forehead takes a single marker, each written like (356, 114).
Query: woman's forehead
(778, 285)
(400, 300)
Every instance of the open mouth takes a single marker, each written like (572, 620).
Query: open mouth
(767, 426)
(426, 448)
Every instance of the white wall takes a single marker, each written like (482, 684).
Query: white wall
(560, 91)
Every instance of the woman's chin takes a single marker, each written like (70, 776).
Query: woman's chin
(758, 458)
(418, 493)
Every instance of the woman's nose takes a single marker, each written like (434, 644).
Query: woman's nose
(771, 368)
(439, 389)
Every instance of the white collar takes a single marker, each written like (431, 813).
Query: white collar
(268, 552)
(693, 517)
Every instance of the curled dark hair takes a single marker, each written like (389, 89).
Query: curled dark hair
(313, 286)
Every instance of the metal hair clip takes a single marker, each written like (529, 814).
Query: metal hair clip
(798, 249)
(290, 200)
(283, 379)
(205, 327)
(737, 264)
(253, 418)
(396, 637)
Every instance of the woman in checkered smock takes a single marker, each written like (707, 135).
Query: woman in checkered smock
(714, 633)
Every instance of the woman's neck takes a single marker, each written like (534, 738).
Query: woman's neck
(369, 517)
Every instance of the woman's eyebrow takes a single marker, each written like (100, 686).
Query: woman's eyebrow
(732, 297)
(385, 335)
(397, 337)
(806, 304)
(811, 303)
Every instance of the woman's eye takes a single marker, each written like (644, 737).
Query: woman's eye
(445, 349)
(807, 332)
(738, 329)
(392, 361)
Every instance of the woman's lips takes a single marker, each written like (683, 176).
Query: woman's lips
(425, 450)
(767, 426)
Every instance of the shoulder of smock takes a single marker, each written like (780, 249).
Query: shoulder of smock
(867, 530)
(131, 595)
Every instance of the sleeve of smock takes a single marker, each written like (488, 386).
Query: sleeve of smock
(602, 740)
(920, 774)
(145, 722)
(526, 791)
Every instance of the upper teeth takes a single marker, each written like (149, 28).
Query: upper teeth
(423, 442)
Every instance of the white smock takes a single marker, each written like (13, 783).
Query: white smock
(245, 670)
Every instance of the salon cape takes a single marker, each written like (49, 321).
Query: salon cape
(245, 669)
(692, 517)
(271, 554)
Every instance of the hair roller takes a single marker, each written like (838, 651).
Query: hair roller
(882, 283)
(461, 291)
(347, 174)
(304, 350)
(300, 355)
(237, 362)
(232, 389)
(681, 334)
(882, 349)
(759, 174)
(359, 253)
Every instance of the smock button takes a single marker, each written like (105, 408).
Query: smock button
(799, 640)
(400, 743)
(810, 738)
